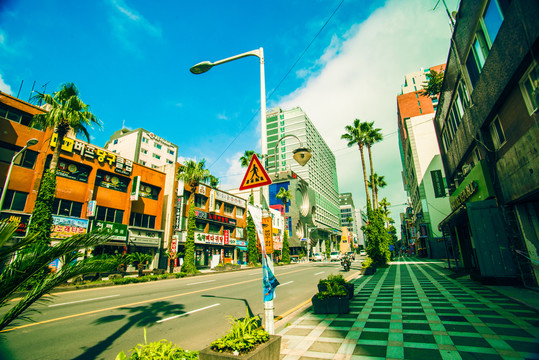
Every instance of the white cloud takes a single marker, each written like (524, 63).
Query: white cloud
(126, 20)
(362, 79)
(5, 87)
(222, 117)
(234, 174)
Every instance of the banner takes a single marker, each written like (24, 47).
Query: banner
(135, 189)
(269, 282)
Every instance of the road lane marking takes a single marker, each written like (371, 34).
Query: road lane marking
(187, 313)
(85, 300)
(137, 303)
(200, 282)
(319, 273)
(286, 283)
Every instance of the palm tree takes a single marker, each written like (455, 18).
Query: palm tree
(285, 196)
(66, 111)
(24, 259)
(213, 181)
(433, 85)
(384, 204)
(349, 220)
(379, 183)
(356, 134)
(245, 159)
(192, 173)
(372, 137)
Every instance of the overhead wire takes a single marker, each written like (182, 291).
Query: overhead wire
(279, 83)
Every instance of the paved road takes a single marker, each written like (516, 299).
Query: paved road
(191, 312)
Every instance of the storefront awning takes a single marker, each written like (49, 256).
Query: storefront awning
(452, 217)
(242, 248)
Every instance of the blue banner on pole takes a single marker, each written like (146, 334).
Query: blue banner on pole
(269, 281)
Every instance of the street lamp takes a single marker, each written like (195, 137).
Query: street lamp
(30, 142)
(302, 155)
(205, 66)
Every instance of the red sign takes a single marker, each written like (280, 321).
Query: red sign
(227, 236)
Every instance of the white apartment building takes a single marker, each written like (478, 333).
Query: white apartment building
(320, 172)
(143, 147)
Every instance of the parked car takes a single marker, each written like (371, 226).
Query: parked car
(362, 253)
(334, 256)
(318, 257)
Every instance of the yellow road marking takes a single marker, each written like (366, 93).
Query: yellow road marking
(135, 303)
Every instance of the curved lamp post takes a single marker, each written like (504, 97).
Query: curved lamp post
(302, 154)
(30, 142)
(205, 66)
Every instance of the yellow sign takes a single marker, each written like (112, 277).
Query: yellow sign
(268, 234)
(255, 176)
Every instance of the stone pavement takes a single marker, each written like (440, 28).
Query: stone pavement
(414, 309)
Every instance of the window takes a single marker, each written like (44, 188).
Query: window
(218, 204)
(200, 201)
(239, 212)
(158, 146)
(529, 86)
(170, 161)
(156, 156)
(142, 220)
(229, 209)
(27, 159)
(214, 228)
(496, 131)
(144, 140)
(70, 170)
(201, 226)
(492, 21)
(15, 115)
(142, 162)
(239, 233)
(14, 200)
(111, 181)
(115, 142)
(144, 151)
(67, 208)
(149, 191)
(109, 214)
(170, 151)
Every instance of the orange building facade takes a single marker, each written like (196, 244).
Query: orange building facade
(94, 186)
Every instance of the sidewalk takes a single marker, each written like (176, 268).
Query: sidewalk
(414, 310)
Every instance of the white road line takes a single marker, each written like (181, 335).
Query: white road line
(187, 313)
(321, 272)
(200, 282)
(85, 300)
(286, 283)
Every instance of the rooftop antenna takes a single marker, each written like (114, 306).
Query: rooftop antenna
(20, 87)
(30, 97)
(44, 87)
(123, 124)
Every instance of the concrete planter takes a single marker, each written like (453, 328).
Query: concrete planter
(331, 305)
(348, 286)
(269, 350)
(370, 270)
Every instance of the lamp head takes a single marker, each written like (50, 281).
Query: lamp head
(302, 155)
(201, 67)
(31, 142)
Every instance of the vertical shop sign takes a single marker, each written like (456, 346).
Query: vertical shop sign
(438, 183)
(135, 189)
(268, 234)
(226, 233)
(212, 200)
(92, 205)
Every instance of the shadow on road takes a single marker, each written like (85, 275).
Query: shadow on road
(139, 316)
(249, 311)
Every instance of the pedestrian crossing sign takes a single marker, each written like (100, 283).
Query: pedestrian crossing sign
(255, 176)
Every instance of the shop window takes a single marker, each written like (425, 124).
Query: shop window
(496, 131)
(67, 208)
(111, 181)
(15, 115)
(109, 214)
(529, 85)
(14, 200)
(229, 209)
(149, 191)
(200, 225)
(214, 228)
(142, 220)
(70, 170)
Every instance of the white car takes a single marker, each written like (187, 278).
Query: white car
(362, 253)
(318, 257)
(335, 256)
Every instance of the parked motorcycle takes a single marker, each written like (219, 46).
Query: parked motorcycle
(346, 262)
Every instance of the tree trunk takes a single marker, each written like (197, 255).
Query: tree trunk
(364, 174)
(374, 190)
(56, 154)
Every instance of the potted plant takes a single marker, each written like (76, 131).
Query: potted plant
(333, 300)
(368, 266)
(245, 340)
(139, 260)
(336, 280)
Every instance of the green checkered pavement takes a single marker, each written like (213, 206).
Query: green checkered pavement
(414, 310)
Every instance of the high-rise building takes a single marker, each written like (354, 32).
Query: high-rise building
(423, 173)
(143, 147)
(320, 172)
(348, 215)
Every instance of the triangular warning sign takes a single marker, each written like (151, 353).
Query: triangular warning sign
(255, 176)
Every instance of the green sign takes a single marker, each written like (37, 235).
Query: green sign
(476, 186)
(119, 231)
(438, 183)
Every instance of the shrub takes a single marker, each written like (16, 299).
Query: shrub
(333, 290)
(158, 271)
(244, 336)
(367, 263)
(162, 349)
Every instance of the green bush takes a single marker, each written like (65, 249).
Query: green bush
(333, 279)
(244, 336)
(162, 349)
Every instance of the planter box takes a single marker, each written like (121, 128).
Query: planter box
(269, 350)
(370, 271)
(348, 286)
(331, 305)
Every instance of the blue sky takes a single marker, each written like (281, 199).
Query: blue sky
(131, 59)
